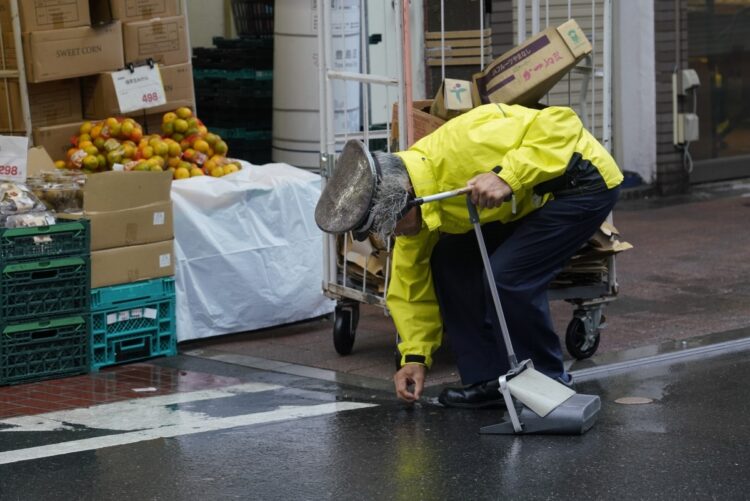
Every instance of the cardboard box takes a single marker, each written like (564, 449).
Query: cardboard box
(72, 52)
(164, 40)
(140, 10)
(38, 15)
(128, 208)
(55, 102)
(56, 139)
(11, 119)
(5, 19)
(526, 73)
(458, 99)
(100, 100)
(8, 60)
(133, 263)
(38, 161)
(424, 123)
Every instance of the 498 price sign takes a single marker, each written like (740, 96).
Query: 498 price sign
(139, 89)
(13, 158)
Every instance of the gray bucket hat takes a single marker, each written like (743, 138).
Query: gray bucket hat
(345, 202)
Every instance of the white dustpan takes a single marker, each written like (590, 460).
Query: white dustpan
(538, 392)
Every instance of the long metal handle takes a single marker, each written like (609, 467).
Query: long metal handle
(441, 196)
(474, 217)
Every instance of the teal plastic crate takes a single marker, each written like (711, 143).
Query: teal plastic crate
(44, 349)
(44, 288)
(104, 298)
(66, 238)
(132, 322)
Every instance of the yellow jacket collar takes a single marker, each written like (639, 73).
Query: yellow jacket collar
(423, 181)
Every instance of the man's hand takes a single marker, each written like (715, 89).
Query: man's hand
(488, 190)
(410, 374)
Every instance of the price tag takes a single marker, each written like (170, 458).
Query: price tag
(13, 158)
(139, 89)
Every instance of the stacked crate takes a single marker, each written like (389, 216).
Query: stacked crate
(44, 307)
(132, 321)
(233, 87)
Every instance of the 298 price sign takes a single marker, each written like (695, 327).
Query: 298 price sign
(9, 170)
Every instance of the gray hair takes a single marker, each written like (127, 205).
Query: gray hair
(391, 194)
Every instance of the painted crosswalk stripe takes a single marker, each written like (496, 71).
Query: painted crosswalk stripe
(185, 428)
(129, 415)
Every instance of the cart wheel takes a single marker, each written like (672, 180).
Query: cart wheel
(345, 328)
(579, 343)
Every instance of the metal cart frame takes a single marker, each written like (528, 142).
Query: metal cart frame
(583, 332)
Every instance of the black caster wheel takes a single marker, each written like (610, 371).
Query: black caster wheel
(579, 345)
(345, 323)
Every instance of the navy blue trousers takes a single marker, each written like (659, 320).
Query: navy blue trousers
(525, 257)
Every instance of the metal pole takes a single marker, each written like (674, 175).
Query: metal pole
(521, 35)
(23, 89)
(408, 97)
(481, 34)
(534, 17)
(442, 41)
(607, 84)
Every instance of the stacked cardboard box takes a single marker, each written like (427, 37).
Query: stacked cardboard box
(131, 226)
(70, 61)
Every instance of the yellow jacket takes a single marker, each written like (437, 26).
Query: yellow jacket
(531, 146)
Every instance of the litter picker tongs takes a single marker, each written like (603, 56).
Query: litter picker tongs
(548, 406)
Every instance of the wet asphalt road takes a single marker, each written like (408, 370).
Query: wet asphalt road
(691, 442)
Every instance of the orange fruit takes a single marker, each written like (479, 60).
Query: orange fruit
(196, 171)
(90, 162)
(217, 172)
(201, 145)
(229, 169)
(168, 117)
(96, 131)
(174, 149)
(180, 126)
(126, 129)
(85, 127)
(184, 112)
(59, 164)
(136, 135)
(221, 148)
(181, 173)
(161, 148)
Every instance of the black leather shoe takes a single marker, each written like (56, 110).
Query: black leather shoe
(476, 396)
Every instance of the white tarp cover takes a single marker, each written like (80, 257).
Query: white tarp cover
(249, 254)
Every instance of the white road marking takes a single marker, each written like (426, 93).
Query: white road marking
(188, 427)
(128, 415)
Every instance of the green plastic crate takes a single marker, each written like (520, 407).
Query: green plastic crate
(44, 288)
(44, 349)
(104, 298)
(66, 238)
(125, 330)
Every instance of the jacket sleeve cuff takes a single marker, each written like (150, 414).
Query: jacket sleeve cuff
(510, 178)
(416, 359)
